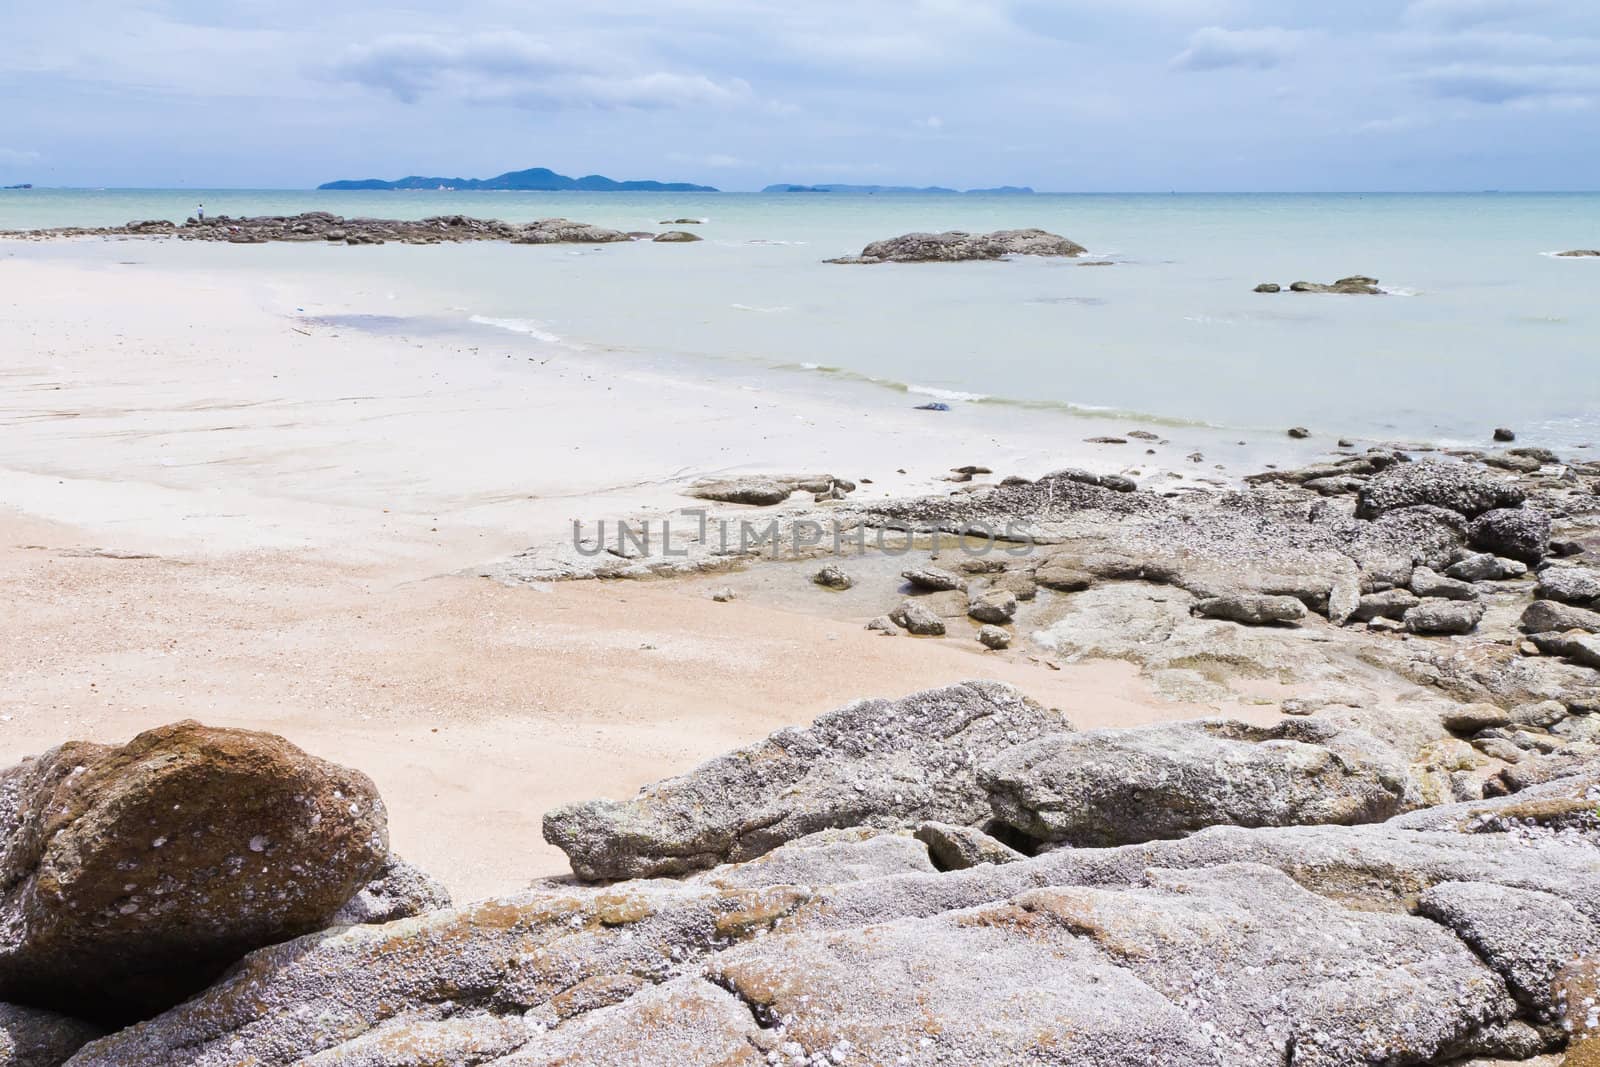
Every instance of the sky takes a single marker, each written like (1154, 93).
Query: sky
(1068, 95)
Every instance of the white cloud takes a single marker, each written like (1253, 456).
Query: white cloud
(932, 122)
(523, 70)
(1214, 48)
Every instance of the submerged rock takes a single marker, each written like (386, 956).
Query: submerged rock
(132, 876)
(958, 245)
(1356, 284)
(1123, 786)
(676, 237)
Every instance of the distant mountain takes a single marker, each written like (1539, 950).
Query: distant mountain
(1004, 190)
(539, 179)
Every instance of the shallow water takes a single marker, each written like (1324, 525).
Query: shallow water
(1484, 327)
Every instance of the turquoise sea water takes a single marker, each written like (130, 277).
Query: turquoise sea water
(1483, 326)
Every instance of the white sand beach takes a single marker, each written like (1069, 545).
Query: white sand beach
(215, 511)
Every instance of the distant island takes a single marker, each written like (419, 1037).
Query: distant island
(1003, 190)
(538, 179)
(24, 185)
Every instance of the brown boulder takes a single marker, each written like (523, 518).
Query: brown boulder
(131, 876)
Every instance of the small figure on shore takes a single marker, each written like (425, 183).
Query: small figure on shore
(200, 213)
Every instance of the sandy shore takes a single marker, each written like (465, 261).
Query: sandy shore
(215, 512)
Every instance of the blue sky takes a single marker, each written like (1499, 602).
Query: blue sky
(1058, 94)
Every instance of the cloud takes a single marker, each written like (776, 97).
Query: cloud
(1457, 14)
(932, 122)
(523, 70)
(1214, 48)
(1485, 84)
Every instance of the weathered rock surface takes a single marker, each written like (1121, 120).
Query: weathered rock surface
(957, 245)
(1116, 787)
(873, 763)
(1389, 604)
(1522, 534)
(766, 490)
(1444, 617)
(398, 891)
(1580, 253)
(833, 576)
(1486, 567)
(1425, 582)
(676, 237)
(131, 876)
(33, 1038)
(1252, 610)
(1455, 486)
(918, 618)
(996, 606)
(956, 848)
(933, 580)
(1570, 585)
(994, 638)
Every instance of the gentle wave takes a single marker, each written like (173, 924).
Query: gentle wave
(761, 310)
(530, 327)
(945, 394)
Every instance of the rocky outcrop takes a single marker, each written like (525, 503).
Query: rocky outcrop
(766, 490)
(1454, 486)
(1355, 285)
(398, 891)
(1252, 610)
(677, 237)
(33, 1038)
(1580, 253)
(1522, 534)
(958, 245)
(1448, 934)
(1117, 787)
(132, 876)
(323, 226)
(873, 763)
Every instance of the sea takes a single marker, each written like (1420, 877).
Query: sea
(1480, 325)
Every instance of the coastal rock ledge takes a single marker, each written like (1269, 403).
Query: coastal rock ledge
(877, 913)
(957, 245)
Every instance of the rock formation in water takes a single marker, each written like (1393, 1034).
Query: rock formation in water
(323, 226)
(957, 246)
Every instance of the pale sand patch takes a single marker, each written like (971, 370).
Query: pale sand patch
(307, 499)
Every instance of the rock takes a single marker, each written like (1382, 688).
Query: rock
(1526, 936)
(994, 638)
(872, 763)
(132, 876)
(957, 245)
(1358, 284)
(959, 848)
(934, 406)
(676, 237)
(1502, 433)
(1523, 534)
(762, 492)
(1252, 610)
(1022, 586)
(933, 580)
(997, 606)
(1570, 585)
(1447, 485)
(1062, 574)
(1299, 433)
(725, 595)
(915, 618)
(1427, 583)
(399, 891)
(1542, 714)
(1116, 482)
(1470, 718)
(833, 576)
(1443, 617)
(950, 604)
(884, 625)
(827, 857)
(33, 1038)
(1269, 287)
(1486, 567)
(1123, 786)
(1389, 604)
(1579, 253)
(1510, 461)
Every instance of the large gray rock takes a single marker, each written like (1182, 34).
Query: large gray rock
(1570, 585)
(131, 876)
(1122, 786)
(1455, 486)
(957, 245)
(1527, 936)
(1552, 616)
(1486, 567)
(956, 848)
(1444, 617)
(1521, 534)
(1426, 582)
(918, 618)
(872, 763)
(1389, 604)
(398, 891)
(33, 1038)
(1252, 610)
